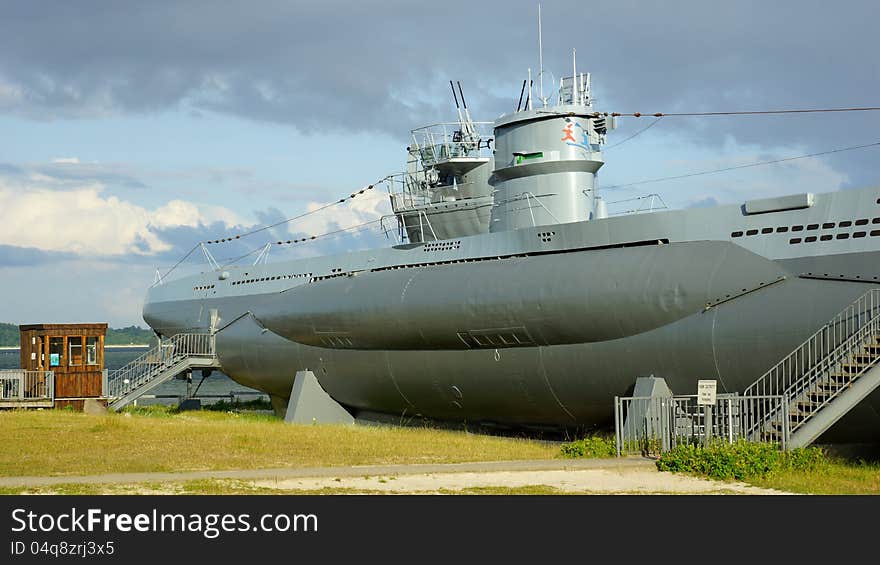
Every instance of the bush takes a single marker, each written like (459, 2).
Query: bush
(739, 460)
(231, 406)
(593, 446)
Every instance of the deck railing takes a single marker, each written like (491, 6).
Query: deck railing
(22, 385)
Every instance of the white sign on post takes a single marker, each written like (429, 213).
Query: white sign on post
(706, 392)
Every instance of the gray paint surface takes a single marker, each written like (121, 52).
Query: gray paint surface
(541, 324)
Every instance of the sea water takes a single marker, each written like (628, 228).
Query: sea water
(208, 389)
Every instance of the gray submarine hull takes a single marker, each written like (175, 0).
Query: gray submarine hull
(682, 312)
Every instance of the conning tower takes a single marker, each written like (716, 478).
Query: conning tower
(546, 160)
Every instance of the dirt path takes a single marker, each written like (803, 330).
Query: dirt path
(625, 475)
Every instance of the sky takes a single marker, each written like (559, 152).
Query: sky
(129, 132)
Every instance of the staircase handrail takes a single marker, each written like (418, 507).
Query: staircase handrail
(150, 364)
(867, 305)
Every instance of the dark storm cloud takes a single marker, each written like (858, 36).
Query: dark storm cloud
(383, 66)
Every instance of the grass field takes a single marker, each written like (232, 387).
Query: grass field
(58, 443)
(63, 443)
(834, 477)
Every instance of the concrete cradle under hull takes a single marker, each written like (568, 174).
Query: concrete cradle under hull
(563, 385)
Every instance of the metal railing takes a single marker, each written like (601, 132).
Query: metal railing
(645, 204)
(651, 425)
(152, 363)
(837, 340)
(826, 363)
(436, 143)
(22, 385)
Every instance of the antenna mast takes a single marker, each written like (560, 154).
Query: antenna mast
(541, 60)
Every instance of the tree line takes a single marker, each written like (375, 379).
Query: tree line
(11, 337)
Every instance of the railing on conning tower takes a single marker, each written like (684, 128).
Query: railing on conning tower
(438, 155)
(438, 143)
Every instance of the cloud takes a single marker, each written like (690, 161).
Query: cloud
(105, 291)
(86, 222)
(66, 161)
(13, 256)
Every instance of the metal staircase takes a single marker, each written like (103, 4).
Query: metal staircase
(824, 378)
(171, 357)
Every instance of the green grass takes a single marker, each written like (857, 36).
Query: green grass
(59, 443)
(833, 477)
(592, 446)
(805, 471)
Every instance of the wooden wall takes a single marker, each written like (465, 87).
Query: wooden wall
(74, 376)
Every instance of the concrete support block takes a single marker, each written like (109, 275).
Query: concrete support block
(94, 406)
(310, 404)
(646, 417)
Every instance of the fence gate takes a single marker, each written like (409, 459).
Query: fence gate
(650, 425)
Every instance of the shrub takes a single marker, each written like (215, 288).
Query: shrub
(739, 460)
(593, 446)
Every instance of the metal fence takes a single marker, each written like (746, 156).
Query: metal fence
(655, 424)
(22, 385)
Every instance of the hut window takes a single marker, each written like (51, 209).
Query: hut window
(92, 350)
(56, 351)
(75, 345)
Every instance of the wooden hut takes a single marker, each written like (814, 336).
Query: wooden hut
(74, 352)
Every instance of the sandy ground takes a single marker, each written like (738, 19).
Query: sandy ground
(585, 476)
(584, 481)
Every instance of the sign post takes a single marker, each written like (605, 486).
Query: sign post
(706, 397)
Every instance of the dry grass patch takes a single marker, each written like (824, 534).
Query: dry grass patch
(59, 443)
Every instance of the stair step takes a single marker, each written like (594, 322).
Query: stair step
(840, 379)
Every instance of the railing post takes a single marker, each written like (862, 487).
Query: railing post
(785, 430)
(617, 430)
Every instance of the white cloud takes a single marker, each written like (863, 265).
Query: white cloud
(83, 220)
(364, 208)
(66, 161)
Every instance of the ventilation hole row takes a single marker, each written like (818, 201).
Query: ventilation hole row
(809, 227)
(442, 246)
(275, 278)
(828, 237)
